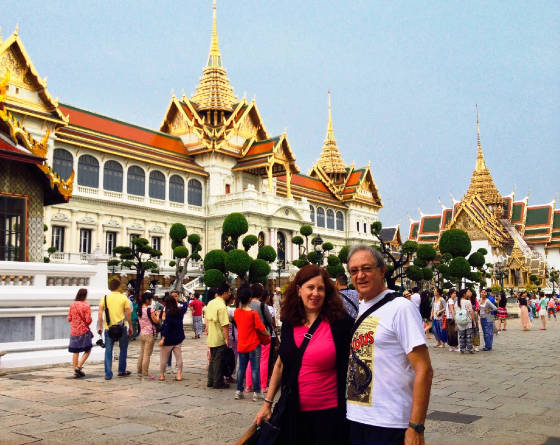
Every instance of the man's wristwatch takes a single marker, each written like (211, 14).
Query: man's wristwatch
(418, 427)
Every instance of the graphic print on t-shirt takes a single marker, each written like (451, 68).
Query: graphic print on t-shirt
(360, 367)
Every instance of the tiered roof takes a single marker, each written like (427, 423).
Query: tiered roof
(214, 91)
(17, 144)
(105, 134)
(331, 161)
(501, 220)
(482, 184)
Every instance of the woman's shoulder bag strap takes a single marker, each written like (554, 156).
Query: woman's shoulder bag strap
(107, 318)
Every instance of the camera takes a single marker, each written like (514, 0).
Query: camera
(100, 343)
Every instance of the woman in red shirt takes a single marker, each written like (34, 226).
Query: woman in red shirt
(79, 316)
(248, 323)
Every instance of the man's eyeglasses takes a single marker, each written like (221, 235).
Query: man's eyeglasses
(365, 269)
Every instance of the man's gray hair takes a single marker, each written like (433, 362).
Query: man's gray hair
(376, 254)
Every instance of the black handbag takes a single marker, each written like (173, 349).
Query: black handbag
(270, 431)
(115, 331)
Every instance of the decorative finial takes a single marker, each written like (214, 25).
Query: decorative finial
(0, 34)
(453, 199)
(16, 32)
(330, 132)
(441, 204)
(410, 220)
(215, 58)
(173, 93)
(420, 211)
(477, 128)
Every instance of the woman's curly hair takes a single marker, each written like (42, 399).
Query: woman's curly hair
(291, 307)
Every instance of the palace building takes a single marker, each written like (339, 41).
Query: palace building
(521, 239)
(212, 155)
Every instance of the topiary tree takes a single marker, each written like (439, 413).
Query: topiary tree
(235, 225)
(415, 273)
(343, 254)
(298, 241)
(456, 242)
(396, 260)
(181, 255)
(218, 264)
(334, 266)
(327, 247)
(139, 257)
(267, 253)
(306, 230)
(249, 241)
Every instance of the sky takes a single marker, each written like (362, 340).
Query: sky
(405, 79)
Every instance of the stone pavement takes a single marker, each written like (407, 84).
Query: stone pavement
(508, 396)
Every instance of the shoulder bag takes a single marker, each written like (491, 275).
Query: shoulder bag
(115, 331)
(269, 432)
(264, 339)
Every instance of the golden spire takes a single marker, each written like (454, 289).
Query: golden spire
(482, 183)
(330, 160)
(214, 91)
(480, 163)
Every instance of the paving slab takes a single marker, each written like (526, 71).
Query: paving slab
(512, 382)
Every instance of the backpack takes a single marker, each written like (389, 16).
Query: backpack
(462, 318)
(550, 303)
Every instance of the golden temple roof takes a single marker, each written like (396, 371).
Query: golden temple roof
(214, 91)
(330, 160)
(482, 184)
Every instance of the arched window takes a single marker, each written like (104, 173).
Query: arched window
(330, 219)
(176, 189)
(112, 176)
(135, 181)
(157, 185)
(88, 171)
(194, 194)
(320, 217)
(312, 210)
(63, 162)
(339, 221)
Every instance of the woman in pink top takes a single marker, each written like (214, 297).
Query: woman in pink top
(148, 320)
(314, 390)
(79, 317)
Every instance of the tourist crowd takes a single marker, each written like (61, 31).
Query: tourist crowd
(350, 361)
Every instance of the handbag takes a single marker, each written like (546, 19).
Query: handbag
(444, 322)
(269, 432)
(115, 331)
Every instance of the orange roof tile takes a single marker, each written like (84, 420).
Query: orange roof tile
(112, 127)
(306, 181)
(354, 178)
(259, 148)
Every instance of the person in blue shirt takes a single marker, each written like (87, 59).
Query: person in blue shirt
(494, 313)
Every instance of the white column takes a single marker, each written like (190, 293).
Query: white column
(289, 251)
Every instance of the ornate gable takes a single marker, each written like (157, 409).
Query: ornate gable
(28, 92)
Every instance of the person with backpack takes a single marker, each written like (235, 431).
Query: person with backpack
(464, 315)
(149, 323)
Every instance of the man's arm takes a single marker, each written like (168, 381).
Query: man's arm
(420, 361)
(100, 320)
(128, 314)
(225, 331)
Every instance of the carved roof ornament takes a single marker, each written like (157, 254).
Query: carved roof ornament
(331, 161)
(214, 91)
(482, 184)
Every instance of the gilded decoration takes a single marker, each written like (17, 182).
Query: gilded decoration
(20, 135)
(463, 222)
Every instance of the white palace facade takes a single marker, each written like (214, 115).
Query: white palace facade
(212, 155)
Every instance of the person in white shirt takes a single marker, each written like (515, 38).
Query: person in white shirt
(415, 297)
(389, 372)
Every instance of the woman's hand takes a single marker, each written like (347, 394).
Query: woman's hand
(264, 414)
(160, 343)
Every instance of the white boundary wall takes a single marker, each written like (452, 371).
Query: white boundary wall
(34, 292)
